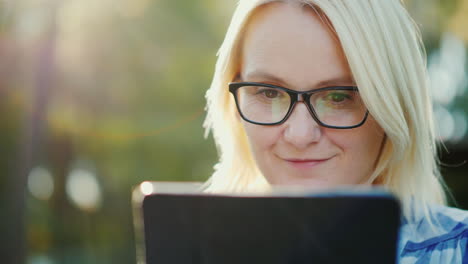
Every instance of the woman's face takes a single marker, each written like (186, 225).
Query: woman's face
(289, 46)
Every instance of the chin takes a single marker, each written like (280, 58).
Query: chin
(302, 182)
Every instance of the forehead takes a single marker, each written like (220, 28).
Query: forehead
(292, 43)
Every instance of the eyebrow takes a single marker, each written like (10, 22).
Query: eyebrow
(335, 81)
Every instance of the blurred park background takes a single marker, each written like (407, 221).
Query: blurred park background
(97, 96)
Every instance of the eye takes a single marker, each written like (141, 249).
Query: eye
(269, 93)
(337, 97)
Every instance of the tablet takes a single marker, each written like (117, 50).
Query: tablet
(341, 226)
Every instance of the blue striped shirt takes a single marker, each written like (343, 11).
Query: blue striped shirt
(445, 242)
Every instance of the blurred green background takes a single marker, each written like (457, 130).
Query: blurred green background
(97, 96)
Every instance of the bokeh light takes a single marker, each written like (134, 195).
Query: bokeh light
(41, 260)
(40, 183)
(448, 76)
(447, 69)
(444, 123)
(83, 190)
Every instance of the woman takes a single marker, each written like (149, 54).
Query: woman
(325, 93)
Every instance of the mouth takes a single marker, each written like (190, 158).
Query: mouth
(306, 163)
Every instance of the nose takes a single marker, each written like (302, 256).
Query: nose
(301, 129)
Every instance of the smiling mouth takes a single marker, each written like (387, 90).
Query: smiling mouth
(306, 163)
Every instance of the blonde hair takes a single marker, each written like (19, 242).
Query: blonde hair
(384, 50)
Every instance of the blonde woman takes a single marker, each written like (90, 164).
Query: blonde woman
(324, 93)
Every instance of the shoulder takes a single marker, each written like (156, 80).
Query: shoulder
(441, 235)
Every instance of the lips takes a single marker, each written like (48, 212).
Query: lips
(306, 160)
(306, 163)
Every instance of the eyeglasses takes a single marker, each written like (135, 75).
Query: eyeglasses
(338, 107)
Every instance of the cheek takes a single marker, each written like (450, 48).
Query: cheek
(373, 137)
(361, 144)
(261, 138)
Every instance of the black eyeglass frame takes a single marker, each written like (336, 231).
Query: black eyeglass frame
(294, 95)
